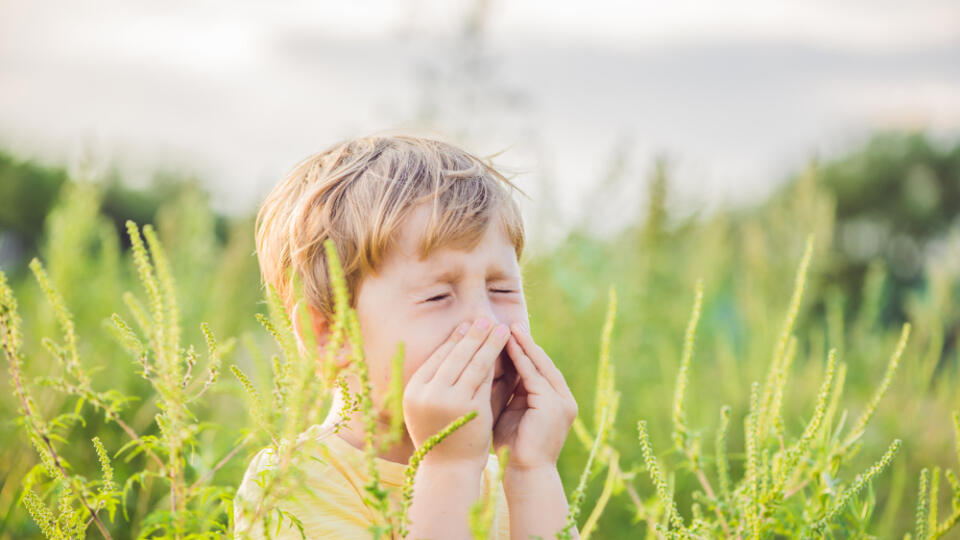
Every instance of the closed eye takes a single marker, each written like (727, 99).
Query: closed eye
(440, 297)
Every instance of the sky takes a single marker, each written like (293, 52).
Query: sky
(736, 94)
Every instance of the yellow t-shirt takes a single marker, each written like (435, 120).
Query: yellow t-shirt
(329, 503)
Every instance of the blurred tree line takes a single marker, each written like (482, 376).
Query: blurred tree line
(29, 191)
(896, 200)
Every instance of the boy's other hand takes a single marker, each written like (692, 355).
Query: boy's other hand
(535, 423)
(454, 381)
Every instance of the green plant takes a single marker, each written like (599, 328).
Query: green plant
(165, 364)
(173, 456)
(790, 485)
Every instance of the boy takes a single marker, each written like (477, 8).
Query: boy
(429, 237)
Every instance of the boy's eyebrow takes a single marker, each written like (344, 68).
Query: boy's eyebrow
(456, 273)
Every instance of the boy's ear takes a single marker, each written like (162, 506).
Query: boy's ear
(318, 322)
(321, 331)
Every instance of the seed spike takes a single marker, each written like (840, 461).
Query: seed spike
(934, 493)
(576, 499)
(857, 486)
(723, 462)
(64, 318)
(800, 448)
(882, 389)
(414, 465)
(922, 506)
(781, 382)
(157, 322)
(752, 437)
(605, 370)
(656, 474)
(679, 411)
(105, 466)
(168, 291)
(788, 324)
(394, 399)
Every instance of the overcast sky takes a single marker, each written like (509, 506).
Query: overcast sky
(736, 93)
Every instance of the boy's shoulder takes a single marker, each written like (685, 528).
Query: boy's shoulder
(317, 488)
(323, 488)
(315, 453)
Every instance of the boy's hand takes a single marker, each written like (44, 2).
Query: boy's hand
(535, 423)
(455, 380)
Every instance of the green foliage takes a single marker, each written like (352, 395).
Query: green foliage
(789, 483)
(606, 401)
(763, 503)
(813, 435)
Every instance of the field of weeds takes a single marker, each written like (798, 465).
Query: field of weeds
(739, 374)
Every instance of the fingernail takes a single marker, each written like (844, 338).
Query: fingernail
(483, 322)
(501, 331)
(463, 328)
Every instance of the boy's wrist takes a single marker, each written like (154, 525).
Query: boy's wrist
(521, 481)
(444, 491)
(466, 468)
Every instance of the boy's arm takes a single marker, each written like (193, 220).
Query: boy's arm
(538, 505)
(534, 426)
(443, 494)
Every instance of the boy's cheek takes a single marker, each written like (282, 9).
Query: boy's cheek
(413, 359)
(409, 368)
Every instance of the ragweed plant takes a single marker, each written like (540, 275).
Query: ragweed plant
(775, 495)
(790, 485)
(78, 503)
(928, 525)
(155, 469)
(192, 506)
(606, 400)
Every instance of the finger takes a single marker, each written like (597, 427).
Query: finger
(484, 360)
(463, 351)
(484, 389)
(532, 379)
(428, 369)
(541, 360)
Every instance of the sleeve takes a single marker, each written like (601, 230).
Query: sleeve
(324, 505)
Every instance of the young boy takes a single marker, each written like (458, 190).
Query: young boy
(430, 238)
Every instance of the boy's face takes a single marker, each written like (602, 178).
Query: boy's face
(422, 302)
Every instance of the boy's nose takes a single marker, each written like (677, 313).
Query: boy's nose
(494, 321)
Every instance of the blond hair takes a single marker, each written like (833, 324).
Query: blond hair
(357, 193)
